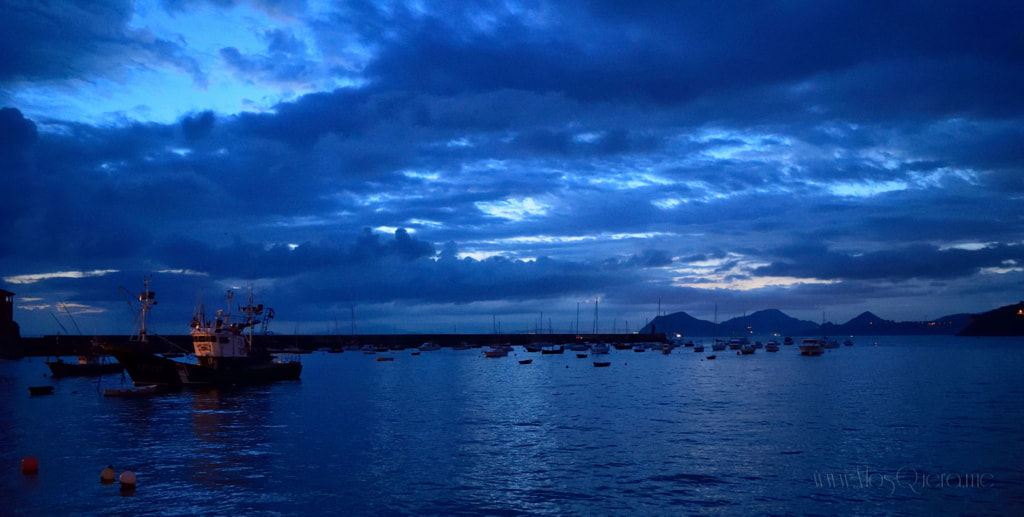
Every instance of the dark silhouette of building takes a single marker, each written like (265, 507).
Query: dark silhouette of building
(10, 333)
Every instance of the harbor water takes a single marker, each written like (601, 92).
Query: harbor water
(908, 426)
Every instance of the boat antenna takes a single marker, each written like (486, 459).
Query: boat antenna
(64, 307)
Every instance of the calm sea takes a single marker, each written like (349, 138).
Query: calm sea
(912, 426)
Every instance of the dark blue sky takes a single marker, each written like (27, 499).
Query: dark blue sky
(440, 168)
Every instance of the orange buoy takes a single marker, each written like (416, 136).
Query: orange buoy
(107, 475)
(29, 465)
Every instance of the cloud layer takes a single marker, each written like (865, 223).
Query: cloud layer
(432, 166)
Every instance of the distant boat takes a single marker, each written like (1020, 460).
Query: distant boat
(787, 341)
(581, 356)
(40, 390)
(429, 346)
(698, 347)
(639, 347)
(91, 364)
(551, 350)
(772, 346)
(525, 361)
(385, 358)
(600, 348)
(130, 392)
(710, 357)
(496, 351)
(747, 349)
(848, 342)
(718, 345)
(812, 347)
(602, 364)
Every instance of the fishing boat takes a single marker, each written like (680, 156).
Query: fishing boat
(138, 357)
(91, 364)
(602, 364)
(224, 353)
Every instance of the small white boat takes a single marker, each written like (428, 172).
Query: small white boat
(495, 351)
(812, 347)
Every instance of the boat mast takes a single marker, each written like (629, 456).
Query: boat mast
(146, 297)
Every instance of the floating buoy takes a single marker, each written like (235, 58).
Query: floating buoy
(127, 479)
(107, 475)
(29, 465)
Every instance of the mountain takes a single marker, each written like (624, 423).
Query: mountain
(1004, 321)
(679, 323)
(768, 322)
(761, 323)
(1007, 321)
(868, 324)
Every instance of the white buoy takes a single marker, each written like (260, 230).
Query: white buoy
(127, 479)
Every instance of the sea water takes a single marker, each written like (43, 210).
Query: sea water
(889, 426)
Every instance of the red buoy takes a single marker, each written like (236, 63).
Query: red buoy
(29, 465)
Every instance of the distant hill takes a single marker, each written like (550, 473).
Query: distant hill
(679, 323)
(767, 322)
(770, 321)
(868, 324)
(1004, 321)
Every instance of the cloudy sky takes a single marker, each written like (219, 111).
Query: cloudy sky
(422, 167)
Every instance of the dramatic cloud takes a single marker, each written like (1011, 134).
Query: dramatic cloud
(436, 165)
